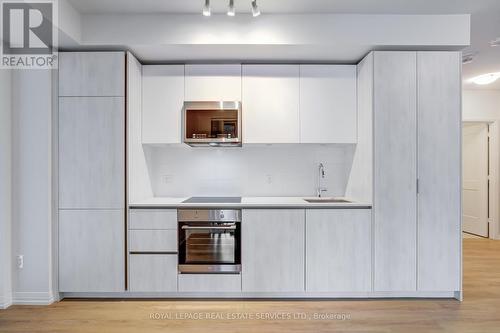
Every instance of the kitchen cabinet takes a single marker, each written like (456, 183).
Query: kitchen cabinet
(162, 102)
(213, 82)
(91, 74)
(153, 273)
(439, 158)
(272, 250)
(91, 251)
(153, 219)
(338, 250)
(153, 240)
(395, 171)
(271, 104)
(212, 283)
(328, 104)
(91, 152)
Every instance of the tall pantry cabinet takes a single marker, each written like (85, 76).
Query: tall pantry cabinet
(91, 171)
(416, 110)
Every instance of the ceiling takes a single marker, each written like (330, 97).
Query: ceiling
(485, 19)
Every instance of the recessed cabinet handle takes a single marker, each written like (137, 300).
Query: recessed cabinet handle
(186, 227)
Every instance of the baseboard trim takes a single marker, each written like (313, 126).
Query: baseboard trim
(5, 302)
(33, 298)
(264, 295)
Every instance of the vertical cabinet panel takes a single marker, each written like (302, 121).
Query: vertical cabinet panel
(91, 251)
(213, 83)
(162, 101)
(91, 152)
(272, 250)
(439, 211)
(328, 104)
(338, 250)
(395, 163)
(271, 104)
(91, 74)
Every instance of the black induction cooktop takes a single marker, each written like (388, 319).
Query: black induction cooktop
(221, 200)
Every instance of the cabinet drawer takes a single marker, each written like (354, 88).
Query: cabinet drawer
(153, 241)
(153, 272)
(209, 282)
(153, 219)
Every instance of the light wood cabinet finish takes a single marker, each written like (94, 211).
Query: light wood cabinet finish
(271, 104)
(91, 152)
(153, 273)
(209, 283)
(272, 249)
(153, 219)
(328, 104)
(91, 74)
(162, 102)
(395, 171)
(153, 240)
(338, 250)
(213, 82)
(439, 158)
(91, 251)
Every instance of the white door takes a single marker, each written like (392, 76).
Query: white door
(475, 178)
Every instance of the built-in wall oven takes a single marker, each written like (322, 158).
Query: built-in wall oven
(209, 240)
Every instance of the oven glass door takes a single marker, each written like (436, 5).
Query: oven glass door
(209, 243)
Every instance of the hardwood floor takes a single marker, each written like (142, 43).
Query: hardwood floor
(479, 312)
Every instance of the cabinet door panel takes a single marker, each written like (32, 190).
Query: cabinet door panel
(91, 251)
(338, 250)
(271, 104)
(395, 174)
(162, 101)
(91, 152)
(439, 211)
(213, 83)
(91, 74)
(153, 273)
(272, 250)
(328, 104)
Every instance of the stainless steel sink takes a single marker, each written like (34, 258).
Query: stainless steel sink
(326, 200)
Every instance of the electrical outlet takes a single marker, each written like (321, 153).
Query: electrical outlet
(166, 179)
(269, 179)
(20, 261)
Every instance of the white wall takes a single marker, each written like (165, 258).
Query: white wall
(253, 170)
(481, 105)
(32, 185)
(5, 189)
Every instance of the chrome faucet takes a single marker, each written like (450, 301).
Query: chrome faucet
(321, 175)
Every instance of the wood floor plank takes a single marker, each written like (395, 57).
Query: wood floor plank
(479, 312)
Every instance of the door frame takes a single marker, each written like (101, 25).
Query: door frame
(494, 168)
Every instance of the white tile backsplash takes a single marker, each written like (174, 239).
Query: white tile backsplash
(256, 170)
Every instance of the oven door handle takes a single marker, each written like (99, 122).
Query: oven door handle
(231, 227)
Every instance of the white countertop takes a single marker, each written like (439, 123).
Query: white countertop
(250, 202)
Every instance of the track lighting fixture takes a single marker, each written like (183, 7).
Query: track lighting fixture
(255, 9)
(230, 10)
(206, 8)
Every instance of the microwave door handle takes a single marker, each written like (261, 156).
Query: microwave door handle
(186, 227)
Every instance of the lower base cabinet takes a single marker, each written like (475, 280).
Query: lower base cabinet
(91, 251)
(338, 250)
(272, 250)
(153, 273)
(213, 283)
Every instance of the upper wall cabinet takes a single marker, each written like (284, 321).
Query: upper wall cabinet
(328, 104)
(162, 100)
(271, 104)
(92, 74)
(213, 83)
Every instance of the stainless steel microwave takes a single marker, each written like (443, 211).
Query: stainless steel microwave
(212, 124)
